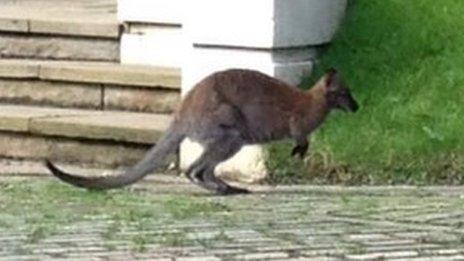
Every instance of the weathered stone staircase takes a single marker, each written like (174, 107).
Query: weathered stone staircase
(64, 94)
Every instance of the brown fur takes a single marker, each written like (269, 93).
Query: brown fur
(230, 109)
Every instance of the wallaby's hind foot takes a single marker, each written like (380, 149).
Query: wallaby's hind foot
(221, 188)
(231, 190)
(213, 183)
(204, 177)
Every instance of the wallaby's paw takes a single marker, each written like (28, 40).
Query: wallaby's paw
(299, 151)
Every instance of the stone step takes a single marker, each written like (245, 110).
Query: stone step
(109, 30)
(101, 138)
(44, 29)
(91, 85)
(79, 44)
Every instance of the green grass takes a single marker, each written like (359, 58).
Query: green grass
(404, 61)
(45, 198)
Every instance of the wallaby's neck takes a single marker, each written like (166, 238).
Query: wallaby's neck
(318, 107)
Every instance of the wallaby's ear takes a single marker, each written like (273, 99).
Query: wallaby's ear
(331, 71)
(329, 76)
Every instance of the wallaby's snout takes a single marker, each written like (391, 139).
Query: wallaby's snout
(349, 103)
(343, 100)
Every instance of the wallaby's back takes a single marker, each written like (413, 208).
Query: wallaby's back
(264, 102)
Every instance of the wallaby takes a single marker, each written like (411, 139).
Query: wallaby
(224, 112)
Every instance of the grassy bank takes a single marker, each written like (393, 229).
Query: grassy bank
(404, 61)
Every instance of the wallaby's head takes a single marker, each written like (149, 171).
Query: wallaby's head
(338, 95)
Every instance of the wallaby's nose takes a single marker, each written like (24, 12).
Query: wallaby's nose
(354, 106)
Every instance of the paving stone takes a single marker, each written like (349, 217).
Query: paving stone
(392, 242)
(398, 248)
(227, 251)
(262, 256)
(443, 251)
(324, 252)
(198, 258)
(434, 258)
(367, 237)
(317, 258)
(411, 234)
(22, 257)
(456, 221)
(381, 255)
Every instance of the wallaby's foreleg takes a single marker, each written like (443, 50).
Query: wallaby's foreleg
(301, 147)
(298, 133)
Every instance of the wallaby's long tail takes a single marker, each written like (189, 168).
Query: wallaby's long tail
(153, 159)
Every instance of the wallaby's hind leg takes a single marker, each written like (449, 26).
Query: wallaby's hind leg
(201, 171)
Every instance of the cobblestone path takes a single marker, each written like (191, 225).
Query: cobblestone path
(41, 219)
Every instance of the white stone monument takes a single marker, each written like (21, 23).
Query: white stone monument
(277, 37)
